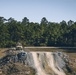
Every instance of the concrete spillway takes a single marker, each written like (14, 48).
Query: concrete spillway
(51, 63)
(40, 60)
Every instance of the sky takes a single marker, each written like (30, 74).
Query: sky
(35, 10)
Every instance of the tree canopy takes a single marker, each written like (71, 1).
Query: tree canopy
(44, 33)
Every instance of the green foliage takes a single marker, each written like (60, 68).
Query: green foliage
(35, 34)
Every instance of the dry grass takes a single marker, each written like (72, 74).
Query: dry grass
(16, 69)
(43, 49)
(72, 55)
(68, 50)
(71, 52)
(2, 52)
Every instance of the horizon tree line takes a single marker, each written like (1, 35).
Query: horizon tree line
(44, 33)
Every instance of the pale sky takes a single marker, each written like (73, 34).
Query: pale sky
(35, 10)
